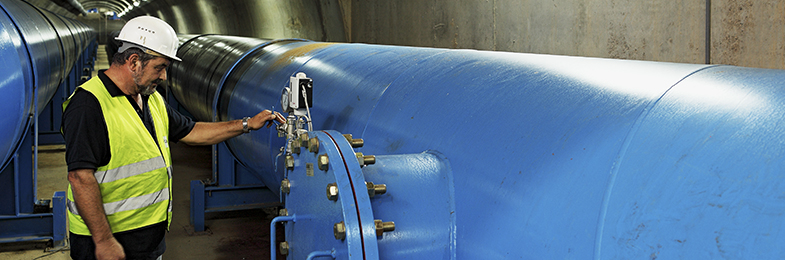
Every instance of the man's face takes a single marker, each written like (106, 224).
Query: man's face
(150, 75)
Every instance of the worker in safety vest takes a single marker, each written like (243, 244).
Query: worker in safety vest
(117, 130)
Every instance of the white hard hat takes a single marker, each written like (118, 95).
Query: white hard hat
(149, 33)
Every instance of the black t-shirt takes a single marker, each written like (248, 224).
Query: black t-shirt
(85, 133)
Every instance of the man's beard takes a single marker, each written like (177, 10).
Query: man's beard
(144, 90)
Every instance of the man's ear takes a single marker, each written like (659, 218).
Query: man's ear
(133, 61)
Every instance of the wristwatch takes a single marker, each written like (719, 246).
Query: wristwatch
(245, 125)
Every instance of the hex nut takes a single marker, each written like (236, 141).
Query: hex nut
(339, 230)
(289, 162)
(304, 140)
(285, 186)
(324, 162)
(283, 247)
(313, 145)
(332, 191)
(359, 158)
(283, 212)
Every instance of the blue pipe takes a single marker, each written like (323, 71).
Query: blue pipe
(543, 156)
(38, 50)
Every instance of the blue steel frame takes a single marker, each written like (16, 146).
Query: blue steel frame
(20, 219)
(234, 187)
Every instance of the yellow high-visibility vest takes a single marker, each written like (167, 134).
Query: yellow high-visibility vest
(136, 183)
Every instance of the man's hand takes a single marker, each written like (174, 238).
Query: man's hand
(207, 133)
(109, 249)
(266, 116)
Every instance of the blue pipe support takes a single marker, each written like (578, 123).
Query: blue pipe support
(542, 156)
(276, 220)
(315, 254)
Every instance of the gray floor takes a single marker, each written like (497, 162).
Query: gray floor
(237, 235)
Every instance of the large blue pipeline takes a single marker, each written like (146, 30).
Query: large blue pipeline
(41, 54)
(38, 50)
(495, 155)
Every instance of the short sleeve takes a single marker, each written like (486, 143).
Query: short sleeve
(179, 125)
(85, 133)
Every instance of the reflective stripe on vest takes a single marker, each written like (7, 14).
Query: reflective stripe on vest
(136, 183)
(130, 170)
(128, 204)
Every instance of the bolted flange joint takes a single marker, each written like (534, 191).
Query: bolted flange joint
(382, 227)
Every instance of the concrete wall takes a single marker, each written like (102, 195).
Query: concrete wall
(748, 33)
(319, 20)
(743, 32)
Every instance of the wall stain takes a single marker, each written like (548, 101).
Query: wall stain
(619, 48)
(736, 22)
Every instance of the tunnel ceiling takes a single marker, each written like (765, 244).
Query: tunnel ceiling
(117, 6)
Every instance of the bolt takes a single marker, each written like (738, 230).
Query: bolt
(285, 186)
(339, 230)
(332, 191)
(289, 162)
(283, 212)
(382, 227)
(313, 145)
(356, 143)
(369, 159)
(323, 162)
(284, 248)
(374, 189)
(365, 159)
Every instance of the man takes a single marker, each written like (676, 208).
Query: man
(117, 130)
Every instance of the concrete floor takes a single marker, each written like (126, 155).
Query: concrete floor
(235, 235)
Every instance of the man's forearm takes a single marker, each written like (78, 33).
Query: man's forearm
(209, 133)
(87, 196)
(205, 133)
